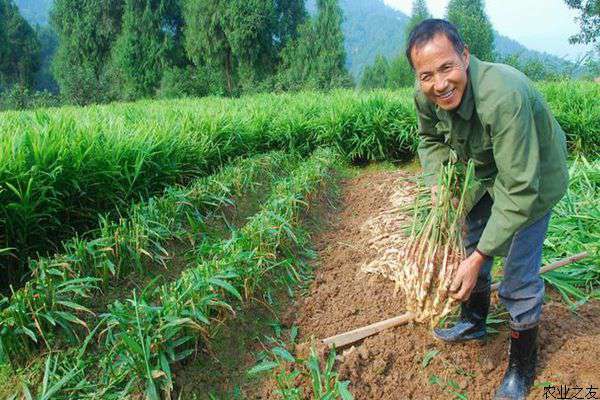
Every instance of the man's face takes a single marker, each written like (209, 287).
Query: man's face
(441, 72)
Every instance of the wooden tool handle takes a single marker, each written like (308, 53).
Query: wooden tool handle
(355, 335)
(553, 266)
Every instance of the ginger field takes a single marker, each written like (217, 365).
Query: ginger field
(136, 236)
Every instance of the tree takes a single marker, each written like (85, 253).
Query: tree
(206, 40)
(87, 30)
(44, 80)
(150, 42)
(19, 48)
(400, 73)
(418, 15)
(331, 55)
(290, 14)
(238, 39)
(317, 58)
(376, 76)
(589, 21)
(474, 26)
(250, 26)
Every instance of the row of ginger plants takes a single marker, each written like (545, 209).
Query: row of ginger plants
(135, 343)
(60, 285)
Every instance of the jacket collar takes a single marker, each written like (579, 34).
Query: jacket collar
(465, 110)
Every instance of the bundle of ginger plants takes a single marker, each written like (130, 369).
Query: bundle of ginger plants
(430, 257)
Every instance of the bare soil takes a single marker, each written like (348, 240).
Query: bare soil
(390, 365)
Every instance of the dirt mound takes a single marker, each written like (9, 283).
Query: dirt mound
(406, 362)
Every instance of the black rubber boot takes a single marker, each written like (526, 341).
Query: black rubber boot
(520, 373)
(471, 324)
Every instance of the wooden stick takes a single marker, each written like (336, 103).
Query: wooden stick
(366, 331)
(553, 266)
(355, 335)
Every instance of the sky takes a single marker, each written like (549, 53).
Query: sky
(543, 25)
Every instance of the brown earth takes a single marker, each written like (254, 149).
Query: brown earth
(390, 365)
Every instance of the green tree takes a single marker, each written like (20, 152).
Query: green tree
(19, 48)
(418, 15)
(535, 69)
(87, 30)
(317, 58)
(331, 55)
(297, 68)
(44, 79)
(474, 26)
(250, 26)
(206, 40)
(150, 42)
(237, 39)
(589, 21)
(376, 76)
(290, 14)
(400, 73)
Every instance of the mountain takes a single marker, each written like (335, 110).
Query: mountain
(506, 46)
(370, 28)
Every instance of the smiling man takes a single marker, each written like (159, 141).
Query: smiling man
(492, 114)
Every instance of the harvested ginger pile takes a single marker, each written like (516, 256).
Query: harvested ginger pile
(424, 262)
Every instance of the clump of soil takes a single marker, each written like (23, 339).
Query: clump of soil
(393, 364)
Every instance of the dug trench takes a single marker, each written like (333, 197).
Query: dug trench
(406, 362)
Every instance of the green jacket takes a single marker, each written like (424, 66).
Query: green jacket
(504, 125)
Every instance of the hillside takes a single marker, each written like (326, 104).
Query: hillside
(372, 28)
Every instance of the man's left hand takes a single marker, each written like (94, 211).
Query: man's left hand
(466, 276)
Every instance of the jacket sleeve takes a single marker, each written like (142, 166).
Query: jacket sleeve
(432, 150)
(516, 187)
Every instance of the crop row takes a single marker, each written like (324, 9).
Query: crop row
(60, 168)
(53, 297)
(140, 338)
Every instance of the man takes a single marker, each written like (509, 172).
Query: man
(492, 114)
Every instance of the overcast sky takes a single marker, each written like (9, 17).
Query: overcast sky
(543, 25)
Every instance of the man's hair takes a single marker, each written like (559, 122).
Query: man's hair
(426, 30)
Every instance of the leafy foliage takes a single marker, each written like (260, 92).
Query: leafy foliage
(535, 69)
(419, 14)
(474, 26)
(317, 58)
(150, 42)
(19, 48)
(397, 73)
(377, 75)
(237, 43)
(589, 21)
(86, 33)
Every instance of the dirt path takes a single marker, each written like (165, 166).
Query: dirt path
(390, 365)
